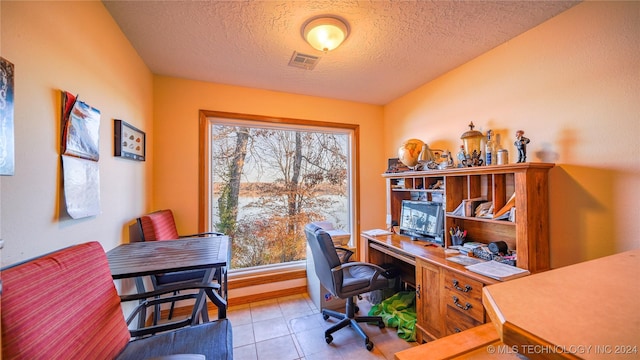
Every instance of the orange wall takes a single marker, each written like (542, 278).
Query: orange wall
(573, 85)
(177, 102)
(77, 47)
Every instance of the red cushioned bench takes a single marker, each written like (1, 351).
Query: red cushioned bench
(64, 305)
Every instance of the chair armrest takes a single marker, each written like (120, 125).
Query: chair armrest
(344, 254)
(151, 298)
(379, 271)
(204, 234)
(168, 289)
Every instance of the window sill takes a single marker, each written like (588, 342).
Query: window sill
(260, 275)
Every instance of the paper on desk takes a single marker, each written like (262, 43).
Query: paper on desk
(498, 271)
(375, 232)
(464, 260)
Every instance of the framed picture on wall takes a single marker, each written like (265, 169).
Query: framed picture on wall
(129, 142)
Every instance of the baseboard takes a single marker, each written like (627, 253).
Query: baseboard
(254, 280)
(264, 296)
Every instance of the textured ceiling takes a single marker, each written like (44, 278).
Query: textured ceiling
(393, 48)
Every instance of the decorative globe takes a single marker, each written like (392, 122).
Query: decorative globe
(409, 152)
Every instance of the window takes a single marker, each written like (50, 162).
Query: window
(266, 179)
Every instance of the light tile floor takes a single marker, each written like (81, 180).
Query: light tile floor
(291, 328)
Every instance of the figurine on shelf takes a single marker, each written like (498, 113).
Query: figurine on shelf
(474, 159)
(521, 145)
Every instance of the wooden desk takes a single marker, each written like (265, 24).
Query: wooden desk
(448, 296)
(407, 251)
(585, 311)
(138, 259)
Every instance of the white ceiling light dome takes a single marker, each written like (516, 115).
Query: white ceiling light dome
(325, 32)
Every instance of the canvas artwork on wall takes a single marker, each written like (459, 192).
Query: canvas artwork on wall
(7, 147)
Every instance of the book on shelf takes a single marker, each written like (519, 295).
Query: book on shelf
(459, 211)
(511, 203)
(484, 210)
(468, 207)
(509, 215)
(498, 271)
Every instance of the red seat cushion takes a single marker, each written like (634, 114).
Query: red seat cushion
(159, 225)
(62, 305)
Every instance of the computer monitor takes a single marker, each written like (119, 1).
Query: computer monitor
(422, 220)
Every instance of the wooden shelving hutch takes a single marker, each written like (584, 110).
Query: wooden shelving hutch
(528, 234)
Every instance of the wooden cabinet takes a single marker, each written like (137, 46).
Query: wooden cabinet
(527, 183)
(449, 299)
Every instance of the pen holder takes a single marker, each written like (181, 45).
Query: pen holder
(457, 240)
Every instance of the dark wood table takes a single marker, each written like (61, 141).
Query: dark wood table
(138, 259)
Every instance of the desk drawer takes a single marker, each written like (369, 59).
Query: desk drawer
(463, 286)
(457, 321)
(465, 305)
(464, 295)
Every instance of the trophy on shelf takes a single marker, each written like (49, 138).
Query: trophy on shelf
(472, 140)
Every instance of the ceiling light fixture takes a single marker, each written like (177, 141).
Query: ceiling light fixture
(325, 32)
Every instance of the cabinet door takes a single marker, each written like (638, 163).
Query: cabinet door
(429, 303)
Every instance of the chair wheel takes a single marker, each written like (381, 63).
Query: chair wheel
(325, 317)
(329, 339)
(369, 345)
(356, 308)
(381, 324)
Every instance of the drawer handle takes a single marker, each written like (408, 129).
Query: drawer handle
(457, 330)
(467, 287)
(466, 306)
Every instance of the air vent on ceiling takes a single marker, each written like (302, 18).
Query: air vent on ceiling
(303, 61)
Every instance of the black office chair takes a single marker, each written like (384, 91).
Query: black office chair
(344, 280)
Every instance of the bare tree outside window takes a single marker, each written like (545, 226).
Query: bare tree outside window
(269, 182)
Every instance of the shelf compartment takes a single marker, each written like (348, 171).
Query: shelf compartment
(471, 218)
(483, 230)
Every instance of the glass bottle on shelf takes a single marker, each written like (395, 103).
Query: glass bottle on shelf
(461, 156)
(490, 150)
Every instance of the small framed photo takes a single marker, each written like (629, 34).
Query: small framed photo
(129, 142)
(394, 165)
